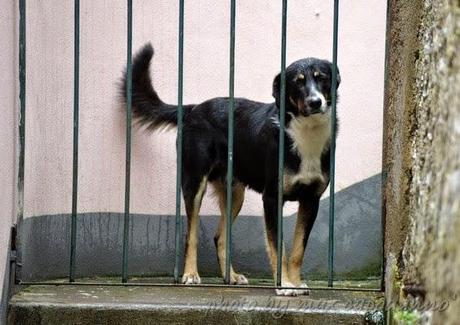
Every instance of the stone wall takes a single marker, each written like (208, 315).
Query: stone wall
(422, 196)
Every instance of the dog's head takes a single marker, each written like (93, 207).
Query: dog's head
(308, 87)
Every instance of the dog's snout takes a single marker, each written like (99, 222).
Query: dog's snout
(315, 104)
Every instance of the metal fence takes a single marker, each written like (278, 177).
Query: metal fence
(178, 217)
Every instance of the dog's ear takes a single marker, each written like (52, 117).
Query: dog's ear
(276, 89)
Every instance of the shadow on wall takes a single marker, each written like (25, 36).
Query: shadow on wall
(358, 241)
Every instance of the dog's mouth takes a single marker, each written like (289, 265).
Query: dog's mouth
(314, 111)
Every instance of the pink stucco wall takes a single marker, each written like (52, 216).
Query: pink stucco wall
(103, 50)
(7, 133)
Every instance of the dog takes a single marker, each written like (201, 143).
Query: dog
(307, 148)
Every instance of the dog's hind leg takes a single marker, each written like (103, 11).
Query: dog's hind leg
(308, 210)
(193, 195)
(221, 234)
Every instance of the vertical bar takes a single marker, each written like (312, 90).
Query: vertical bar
(76, 91)
(231, 113)
(22, 107)
(180, 113)
(384, 136)
(15, 273)
(279, 234)
(330, 268)
(124, 277)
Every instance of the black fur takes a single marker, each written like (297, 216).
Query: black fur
(255, 139)
(148, 108)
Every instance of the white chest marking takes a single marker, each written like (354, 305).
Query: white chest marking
(310, 135)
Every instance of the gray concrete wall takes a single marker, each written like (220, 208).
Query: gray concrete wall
(99, 245)
(422, 159)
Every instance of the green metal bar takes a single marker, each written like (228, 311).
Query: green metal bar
(22, 106)
(129, 82)
(330, 267)
(231, 117)
(202, 285)
(180, 114)
(76, 94)
(279, 234)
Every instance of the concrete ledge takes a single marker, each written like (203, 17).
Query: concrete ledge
(186, 305)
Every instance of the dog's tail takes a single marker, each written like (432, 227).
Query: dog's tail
(147, 107)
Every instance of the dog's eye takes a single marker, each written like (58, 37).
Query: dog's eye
(318, 75)
(300, 79)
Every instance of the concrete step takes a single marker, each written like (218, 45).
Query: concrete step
(100, 304)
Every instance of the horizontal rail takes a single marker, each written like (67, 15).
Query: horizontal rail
(203, 285)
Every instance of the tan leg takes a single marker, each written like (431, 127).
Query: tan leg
(306, 217)
(221, 234)
(191, 275)
(298, 249)
(285, 281)
(271, 224)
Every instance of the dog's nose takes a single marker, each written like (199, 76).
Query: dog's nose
(315, 105)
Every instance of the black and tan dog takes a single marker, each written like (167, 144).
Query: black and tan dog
(306, 173)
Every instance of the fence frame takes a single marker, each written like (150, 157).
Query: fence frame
(178, 217)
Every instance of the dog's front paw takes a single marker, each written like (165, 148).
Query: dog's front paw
(295, 291)
(287, 291)
(238, 279)
(303, 289)
(191, 278)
